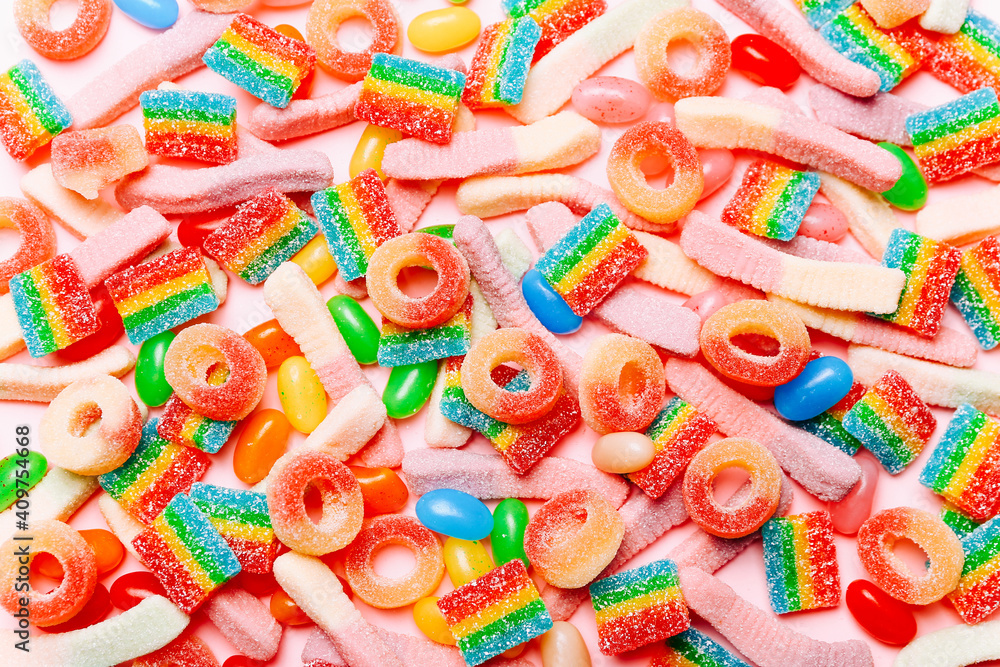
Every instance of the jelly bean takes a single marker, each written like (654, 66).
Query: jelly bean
(97, 607)
(262, 442)
(111, 330)
(910, 191)
(444, 30)
(465, 560)
(716, 167)
(302, 396)
(563, 646)
(611, 99)
(273, 343)
(444, 231)
(370, 149)
(284, 610)
(819, 387)
(356, 326)
(881, 615)
(156, 14)
(107, 548)
(382, 490)
(620, 453)
(28, 469)
(257, 584)
(548, 306)
(455, 514)
(132, 588)
(823, 222)
(242, 661)
(765, 62)
(514, 651)
(855, 508)
(705, 304)
(150, 382)
(408, 388)
(194, 229)
(316, 260)
(431, 621)
(510, 519)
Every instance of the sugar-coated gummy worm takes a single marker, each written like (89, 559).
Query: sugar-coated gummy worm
(120, 521)
(869, 216)
(652, 317)
(79, 216)
(57, 496)
(945, 16)
(349, 426)
(955, 646)
(964, 218)
(303, 117)
(20, 382)
(881, 117)
(245, 622)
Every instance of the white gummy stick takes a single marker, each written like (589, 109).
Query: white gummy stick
(304, 117)
(121, 522)
(57, 496)
(81, 217)
(668, 267)
(40, 384)
(869, 216)
(964, 218)
(945, 16)
(954, 646)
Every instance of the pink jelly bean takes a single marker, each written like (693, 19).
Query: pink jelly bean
(856, 507)
(823, 222)
(611, 99)
(717, 166)
(704, 304)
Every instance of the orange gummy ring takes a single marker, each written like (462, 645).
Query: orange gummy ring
(324, 20)
(86, 31)
(698, 29)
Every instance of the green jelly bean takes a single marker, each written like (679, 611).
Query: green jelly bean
(408, 388)
(910, 191)
(510, 520)
(150, 382)
(29, 469)
(356, 326)
(446, 232)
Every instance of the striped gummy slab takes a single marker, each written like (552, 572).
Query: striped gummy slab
(957, 137)
(399, 346)
(693, 648)
(638, 607)
(53, 305)
(495, 612)
(800, 559)
(829, 425)
(181, 425)
(356, 218)
(558, 18)
(190, 124)
(678, 432)
(961, 523)
(591, 259)
(260, 60)
(264, 232)
(978, 592)
(820, 12)
(891, 422)
(30, 113)
(965, 465)
(976, 292)
(969, 59)
(242, 518)
(930, 267)
(186, 553)
(772, 200)
(162, 294)
(500, 65)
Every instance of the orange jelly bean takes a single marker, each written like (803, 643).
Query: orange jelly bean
(262, 442)
(273, 343)
(106, 546)
(285, 611)
(382, 490)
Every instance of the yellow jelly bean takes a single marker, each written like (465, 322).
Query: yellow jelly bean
(444, 30)
(430, 621)
(316, 260)
(371, 148)
(466, 560)
(303, 399)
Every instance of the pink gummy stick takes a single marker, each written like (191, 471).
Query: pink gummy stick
(652, 317)
(121, 243)
(468, 154)
(823, 251)
(408, 199)
(881, 117)
(304, 117)
(244, 620)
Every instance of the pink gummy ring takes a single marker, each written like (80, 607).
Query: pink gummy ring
(698, 29)
(394, 592)
(324, 20)
(38, 240)
(86, 32)
(622, 384)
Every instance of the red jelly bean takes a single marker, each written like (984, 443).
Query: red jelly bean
(242, 661)
(882, 616)
(765, 62)
(382, 490)
(111, 330)
(284, 610)
(258, 584)
(194, 229)
(132, 588)
(273, 343)
(262, 442)
(94, 611)
(106, 546)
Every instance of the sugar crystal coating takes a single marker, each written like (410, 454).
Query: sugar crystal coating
(959, 522)
(978, 592)
(242, 518)
(693, 648)
(189, 650)
(976, 292)
(829, 425)
(621, 384)
(956, 137)
(558, 18)
(191, 124)
(500, 65)
(800, 559)
(30, 113)
(183, 426)
(970, 58)
(821, 12)
(87, 160)
(772, 200)
(399, 345)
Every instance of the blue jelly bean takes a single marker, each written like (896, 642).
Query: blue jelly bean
(550, 308)
(156, 14)
(819, 387)
(455, 514)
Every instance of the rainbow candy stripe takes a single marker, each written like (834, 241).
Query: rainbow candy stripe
(820, 12)
(638, 607)
(930, 267)
(183, 426)
(242, 518)
(965, 465)
(969, 59)
(976, 292)
(957, 137)
(186, 553)
(497, 611)
(260, 60)
(356, 218)
(162, 294)
(586, 264)
(693, 648)
(892, 422)
(772, 200)
(800, 558)
(399, 345)
(678, 433)
(265, 231)
(53, 305)
(500, 66)
(558, 18)
(978, 592)
(829, 425)
(30, 113)
(960, 523)
(190, 124)
(410, 96)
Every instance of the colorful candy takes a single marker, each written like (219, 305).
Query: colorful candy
(510, 520)
(828, 425)
(324, 21)
(357, 327)
(500, 65)
(558, 19)
(772, 200)
(88, 160)
(976, 292)
(957, 137)
(682, 24)
(969, 58)
(150, 382)
(623, 453)
(882, 616)
(183, 426)
(443, 30)
(192, 124)
(241, 518)
(302, 396)
(34, 467)
(678, 432)
(977, 595)
(821, 12)
(614, 362)
(409, 388)
(382, 490)
(261, 443)
(763, 61)
(402, 345)
(547, 305)
(455, 514)
(79, 38)
(800, 558)
(273, 343)
(693, 648)
(910, 191)
(960, 523)
(611, 99)
(32, 114)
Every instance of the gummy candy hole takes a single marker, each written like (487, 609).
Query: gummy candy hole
(682, 56)
(631, 383)
(216, 374)
(756, 344)
(417, 282)
(355, 34)
(659, 166)
(393, 561)
(726, 482)
(40, 584)
(86, 419)
(62, 14)
(913, 558)
(313, 500)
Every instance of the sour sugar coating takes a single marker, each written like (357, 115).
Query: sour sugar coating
(191, 650)
(960, 522)
(693, 648)
(828, 425)
(190, 124)
(558, 18)
(614, 361)
(772, 200)
(241, 518)
(976, 292)
(651, 316)
(800, 558)
(698, 29)
(821, 12)
(27, 382)
(892, 13)
(78, 39)
(37, 242)
(969, 59)
(945, 16)
(954, 646)
(303, 117)
(87, 160)
(31, 113)
(500, 65)
(324, 20)
(881, 117)
(977, 594)
(53, 305)
(957, 137)
(79, 216)
(402, 345)
(245, 622)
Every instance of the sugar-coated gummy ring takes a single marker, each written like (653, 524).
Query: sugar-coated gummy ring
(86, 31)
(533, 354)
(700, 30)
(67, 439)
(655, 139)
(192, 356)
(79, 566)
(343, 504)
(324, 20)
(755, 316)
(621, 384)
(38, 241)
(417, 249)
(748, 516)
(394, 592)
(879, 534)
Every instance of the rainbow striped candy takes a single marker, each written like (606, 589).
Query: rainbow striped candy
(829, 425)
(260, 60)
(410, 96)
(965, 465)
(183, 426)
(558, 18)
(969, 59)
(30, 113)
(892, 422)
(638, 607)
(678, 433)
(693, 648)
(957, 137)
(820, 12)
(978, 592)
(356, 218)
(930, 267)
(399, 345)
(961, 523)
(156, 472)
(242, 518)
(162, 294)
(586, 264)
(190, 124)
(264, 232)
(800, 559)
(976, 292)
(186, 553)
(500, 66)
(495, 612)
(53, 305)
(772, 200)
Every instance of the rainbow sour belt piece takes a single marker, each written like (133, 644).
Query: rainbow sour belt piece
(829, 425)
(800, 558)
(30, 113)
(183, 426)
(957, 137)
(241, 517)
(969, 59)
(190, 124)
(976, 292)
(821, 12)
(693, 648)
(960, 523)
(558, 18)
(399, 345)
(500, 66)
(772, 200)
(978, 592)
